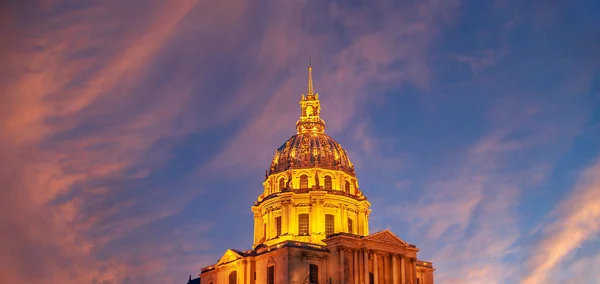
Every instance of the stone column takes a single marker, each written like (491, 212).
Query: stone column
(344, 217)
(413, 267)
(360, 223)
(246, 273)
(360, 266)
(395, 269)
(269, 225)
(285, 216)
(366, 264)
(375, 268)
(293, 224)
(258, 226)
(366, 229)
(386, 268)
(356, 269)
(402, 270)
(341, 267)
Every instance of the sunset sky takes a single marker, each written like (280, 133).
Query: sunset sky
(135, 134)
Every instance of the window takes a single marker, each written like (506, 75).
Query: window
(347, 187)
(271, 274)
(327, 182)
(233, 277)
(303, 181)
(329, 224)
(281, 184)
(303, 224)
(418, 281)
(349, 225)
(371, 278)
(278, 225)
(314, 274)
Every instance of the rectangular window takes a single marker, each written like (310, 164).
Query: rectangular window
(303, 224)
(329, 224)
(271, 275)
(350, 226)
(314, 274)
(278, 225)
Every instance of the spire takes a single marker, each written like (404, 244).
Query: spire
(310, 91)
(310, 120)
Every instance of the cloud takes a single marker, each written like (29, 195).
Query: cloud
(57, 158)
(343, 72)
(575, 220)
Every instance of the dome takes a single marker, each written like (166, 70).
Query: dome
(311, 150)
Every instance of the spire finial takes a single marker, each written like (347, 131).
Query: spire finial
(310, 82)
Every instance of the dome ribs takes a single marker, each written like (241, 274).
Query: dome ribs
(311, 150)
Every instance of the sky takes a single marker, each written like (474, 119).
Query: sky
(135, 134)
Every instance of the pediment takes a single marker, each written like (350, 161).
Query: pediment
(229, 256)
(387, 237)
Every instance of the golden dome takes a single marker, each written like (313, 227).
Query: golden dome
(311, 150)
(311, 147)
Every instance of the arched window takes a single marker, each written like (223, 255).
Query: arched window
(233, 277)
(303, 181)
(281, 184)
(309, 111)
(347, 187)
(314, 274)
(327, 182)
(271, 274)
(329, 224)
(303, 224)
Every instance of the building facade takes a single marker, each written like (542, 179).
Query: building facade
(311, 221)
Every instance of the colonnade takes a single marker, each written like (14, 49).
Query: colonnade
(385, 267)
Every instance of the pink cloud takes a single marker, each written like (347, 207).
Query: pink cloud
(341, 78)
(576, 221)
(47, 225)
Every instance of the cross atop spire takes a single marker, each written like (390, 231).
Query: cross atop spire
(310, 89)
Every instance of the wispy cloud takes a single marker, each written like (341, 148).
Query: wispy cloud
(574, 221)
(61, 156)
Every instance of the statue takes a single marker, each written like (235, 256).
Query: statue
(317, 178)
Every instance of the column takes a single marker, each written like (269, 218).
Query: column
(366, 264)
(413, 267)
(366, 230)
(394, 269)
(375, 269)
(341, 267)
(268, 227)
(402, 270)
(344, 217)
(246, 272)
(361, 266)
(386, 268)
(356, 269)
(258, 226)
(293, 224)
(360, 224)
(285, 216)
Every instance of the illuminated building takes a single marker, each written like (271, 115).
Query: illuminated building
(311, 222)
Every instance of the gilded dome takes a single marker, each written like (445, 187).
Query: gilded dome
(311, 150)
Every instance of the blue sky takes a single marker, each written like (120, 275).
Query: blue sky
(136, 134)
